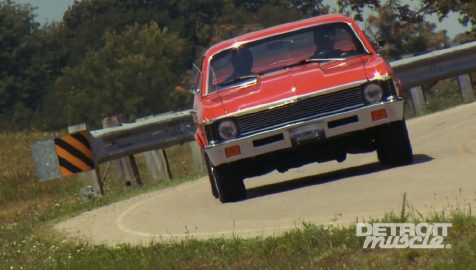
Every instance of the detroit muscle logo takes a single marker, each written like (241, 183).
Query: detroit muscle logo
(404, 235)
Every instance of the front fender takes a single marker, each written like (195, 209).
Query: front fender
(200, 138)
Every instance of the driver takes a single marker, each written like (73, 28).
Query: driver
(324, 38)
(242, 62)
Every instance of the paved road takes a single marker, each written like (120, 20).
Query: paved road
(443, 177)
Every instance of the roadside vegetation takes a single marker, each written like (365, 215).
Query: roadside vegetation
(133, 58)
(312, 247)
(103, 58)
(440, 95)
(29, 209)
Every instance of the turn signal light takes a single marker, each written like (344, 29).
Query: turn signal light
(379, 115)
(232, 151)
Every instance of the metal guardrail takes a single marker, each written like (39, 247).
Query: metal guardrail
(69, 154)
(436, 65)
(154, 133)
(166, 130)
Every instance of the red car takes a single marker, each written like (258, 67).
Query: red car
(307, 91)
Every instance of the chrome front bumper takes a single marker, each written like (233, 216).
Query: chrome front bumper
(281, 138)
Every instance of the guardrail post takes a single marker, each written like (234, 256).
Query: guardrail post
(464, 84)
(418, 100)
(197, 157)
(157, 164)
(156, 161)
(127, 166)
(94, 176)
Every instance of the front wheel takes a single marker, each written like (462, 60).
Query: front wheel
(226, 182)
(393, 144)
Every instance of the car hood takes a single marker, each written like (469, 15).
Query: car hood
(270, 89)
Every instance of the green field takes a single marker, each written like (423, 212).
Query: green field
(29, 209)
(109, 57)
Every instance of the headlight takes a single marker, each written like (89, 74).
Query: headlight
(373, 93)
(227, 129)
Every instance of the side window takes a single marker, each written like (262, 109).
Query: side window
(219, 70)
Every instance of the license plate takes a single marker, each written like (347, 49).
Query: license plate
(308, 133)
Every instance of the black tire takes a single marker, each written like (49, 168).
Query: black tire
(226, 182)
(393, 144)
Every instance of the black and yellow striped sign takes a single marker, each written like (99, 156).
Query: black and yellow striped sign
(74, 153)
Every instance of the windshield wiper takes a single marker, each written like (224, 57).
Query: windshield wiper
(311, 60)
(314, 60)
(239, 79)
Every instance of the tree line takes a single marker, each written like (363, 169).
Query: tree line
(133, 57)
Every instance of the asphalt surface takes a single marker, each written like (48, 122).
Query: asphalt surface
(442, 177)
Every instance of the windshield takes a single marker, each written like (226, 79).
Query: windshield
(329, 42)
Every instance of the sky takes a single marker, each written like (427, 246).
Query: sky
(53, 10)
(48, 10)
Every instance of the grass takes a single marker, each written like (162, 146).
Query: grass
(28, 242)
(21, 195)
(312, 247)
(29, 208)
(439, 96)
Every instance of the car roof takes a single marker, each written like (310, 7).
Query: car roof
(275, 30)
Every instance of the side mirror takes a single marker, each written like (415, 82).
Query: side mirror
(197, 75)
(195, 90)
(377, 44)
(376, 41)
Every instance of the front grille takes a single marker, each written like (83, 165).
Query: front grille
(305, 109)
